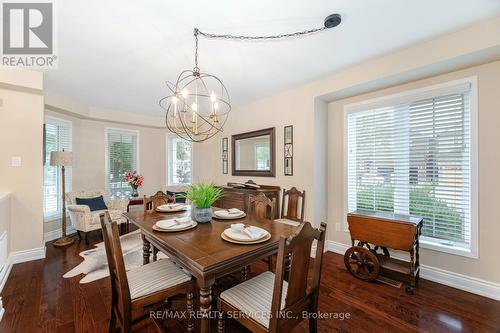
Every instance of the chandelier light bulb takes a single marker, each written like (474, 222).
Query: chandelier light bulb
(216, 106)
(194, 107)
(184, 93)
(174, 100)
(213, 98)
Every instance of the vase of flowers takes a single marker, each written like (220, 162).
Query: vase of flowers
(135, 181)
(202, 197)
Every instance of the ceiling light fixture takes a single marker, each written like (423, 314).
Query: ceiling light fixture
(199, 104)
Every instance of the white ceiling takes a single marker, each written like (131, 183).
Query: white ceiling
(118, 54)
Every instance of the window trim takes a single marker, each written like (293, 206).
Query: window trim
(167, 137)
(106, 151)
(57, 215)
(422, 93)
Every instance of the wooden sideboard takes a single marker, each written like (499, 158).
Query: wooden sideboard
(238, 197)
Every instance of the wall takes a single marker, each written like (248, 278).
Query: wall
(489, 157)
(21, 116)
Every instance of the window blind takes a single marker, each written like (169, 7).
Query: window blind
(122, 157)
(179, 161)
(57, 138)
(415, 158)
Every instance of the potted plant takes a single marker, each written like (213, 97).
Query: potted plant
(135, 181)
(202, 197)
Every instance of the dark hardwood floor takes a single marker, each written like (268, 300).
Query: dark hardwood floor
(38, 299)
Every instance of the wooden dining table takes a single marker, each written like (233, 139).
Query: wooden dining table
(203, 252)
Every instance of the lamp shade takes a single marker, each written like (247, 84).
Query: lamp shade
(61, 158)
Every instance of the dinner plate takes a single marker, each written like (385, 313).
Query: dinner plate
(224, 215)
(164, 209)
(243, 237)
(262, 240)
(183, 227)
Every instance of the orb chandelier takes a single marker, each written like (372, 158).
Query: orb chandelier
(198, 104)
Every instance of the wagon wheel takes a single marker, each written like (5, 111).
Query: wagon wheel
(362, 263)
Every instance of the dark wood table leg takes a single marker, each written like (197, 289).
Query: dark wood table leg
(205, 303)
(146, 250)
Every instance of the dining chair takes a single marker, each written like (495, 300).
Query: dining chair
(293, 200)
(158, 199)
(154, 201)
(267, 303)
(261, 208)
(142, 287)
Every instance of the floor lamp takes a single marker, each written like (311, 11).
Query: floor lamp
(62, 159)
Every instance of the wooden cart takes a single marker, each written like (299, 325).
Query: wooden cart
(376, 233)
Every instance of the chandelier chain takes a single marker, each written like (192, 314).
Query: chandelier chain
(269, 37)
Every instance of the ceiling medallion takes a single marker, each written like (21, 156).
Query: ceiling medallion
(198, 104)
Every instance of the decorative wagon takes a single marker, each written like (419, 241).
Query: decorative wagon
(376, 233)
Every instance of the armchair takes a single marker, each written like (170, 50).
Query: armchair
(84, 220)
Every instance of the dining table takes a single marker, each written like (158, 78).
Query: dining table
(202, 251)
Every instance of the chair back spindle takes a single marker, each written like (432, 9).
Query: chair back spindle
(293, 200)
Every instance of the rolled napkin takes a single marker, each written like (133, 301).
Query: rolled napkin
(167, 224)
(250, 231)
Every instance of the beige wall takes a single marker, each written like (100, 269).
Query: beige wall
(4, 213)
(21, 116)
(489, 156)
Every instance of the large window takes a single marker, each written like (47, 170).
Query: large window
(122, 156)
(413, 154)
(57, 137)
(179, 162)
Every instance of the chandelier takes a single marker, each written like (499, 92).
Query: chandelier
(198, 104)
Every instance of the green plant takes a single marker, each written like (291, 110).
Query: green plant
(203, 195)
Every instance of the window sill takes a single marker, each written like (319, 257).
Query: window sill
(430, 244)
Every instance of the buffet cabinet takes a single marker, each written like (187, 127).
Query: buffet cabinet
(235, 197)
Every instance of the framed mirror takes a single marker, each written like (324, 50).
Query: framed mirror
(254, 153)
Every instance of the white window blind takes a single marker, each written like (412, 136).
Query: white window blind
(415, 158)
(121, 157)
(57, 138)
(179, 161)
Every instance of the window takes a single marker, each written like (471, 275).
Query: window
(57, 137)
(413, 154)
(122, 156)
(180, 158)
(262, 156)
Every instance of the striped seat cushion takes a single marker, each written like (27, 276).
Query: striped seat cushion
(153, 277)
(287, 221)
(254, 297)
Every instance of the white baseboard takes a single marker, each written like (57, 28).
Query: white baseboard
(55, 234)
(4, 274)
(18, 257)
(448, 278)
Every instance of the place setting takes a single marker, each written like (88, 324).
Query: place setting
(240, 233)
(171, 208)
(229, 214)
(175, 224)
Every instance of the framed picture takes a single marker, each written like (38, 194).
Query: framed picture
(288, 151)
(225, 156)
(288, 134)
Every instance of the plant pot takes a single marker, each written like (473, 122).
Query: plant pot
(201, 215)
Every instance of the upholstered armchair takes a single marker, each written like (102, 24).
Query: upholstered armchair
(84, 220)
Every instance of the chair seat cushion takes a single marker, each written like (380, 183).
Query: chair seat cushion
(254, 297)
(153, 277)
(94, 204)
(116, 216)
(287, 221)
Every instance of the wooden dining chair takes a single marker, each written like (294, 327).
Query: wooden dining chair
(261, 208)
(267, 303)
(293, 200)
(142, 287)
(158, 199)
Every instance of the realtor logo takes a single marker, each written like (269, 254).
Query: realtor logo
(28, 34)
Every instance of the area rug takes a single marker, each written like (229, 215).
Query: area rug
(95, 263)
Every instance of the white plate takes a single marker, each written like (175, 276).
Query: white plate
(170, 208)
(165, 224)
(186, 227)
(224, 215)
(243, 237)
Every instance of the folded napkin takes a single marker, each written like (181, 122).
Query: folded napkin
(251, 231)
(234, 211)
(170, 206)
(167, 224)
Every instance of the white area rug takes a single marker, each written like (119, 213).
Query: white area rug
(95, 262)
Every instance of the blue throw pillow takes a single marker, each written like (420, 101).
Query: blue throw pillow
(96, 203)
(177, 196)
